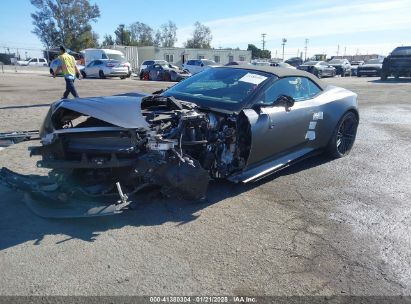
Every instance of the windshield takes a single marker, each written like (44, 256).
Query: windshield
(118, 57)
(219, 88)
(374, 61)
(338, 61)
(402, 51)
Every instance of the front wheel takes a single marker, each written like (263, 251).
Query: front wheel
(343, 136)
(384, 76)
(83, 74)
(101, 75)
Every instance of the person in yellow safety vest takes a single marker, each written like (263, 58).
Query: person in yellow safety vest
(70, 72)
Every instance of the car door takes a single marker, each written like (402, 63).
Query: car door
(91, 69)
(279, 130)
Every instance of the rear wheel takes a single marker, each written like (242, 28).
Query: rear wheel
(123, 77)
(51, 72)
(101, 75)
(83, 74)
(383, 76)
(343, 136)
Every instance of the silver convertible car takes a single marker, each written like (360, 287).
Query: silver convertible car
(237, 123)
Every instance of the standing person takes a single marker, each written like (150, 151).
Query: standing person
(70, 72)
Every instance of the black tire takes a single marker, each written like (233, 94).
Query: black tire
(51, 72)
(83, 74)
(123, 77)
(343, 137)
(101, 75)
(383, 76)
(396, 76)
(359, 75)
(318, 73)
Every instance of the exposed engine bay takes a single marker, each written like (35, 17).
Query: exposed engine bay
(177, 149)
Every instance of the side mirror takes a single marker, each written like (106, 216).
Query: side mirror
(284, 101)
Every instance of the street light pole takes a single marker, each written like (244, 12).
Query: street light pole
(283, 44)
(305, 48)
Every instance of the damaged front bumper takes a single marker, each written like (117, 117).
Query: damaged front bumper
(47, 198)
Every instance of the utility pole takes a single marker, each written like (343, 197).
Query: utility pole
(338, 50)
(263, 35)
(305, 48)
(283, 44)
(345, 51)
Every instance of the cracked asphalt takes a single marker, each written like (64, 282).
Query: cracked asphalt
(322, 227)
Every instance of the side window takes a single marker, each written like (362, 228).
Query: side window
(104, 56)
(42, 60)
(299, 88)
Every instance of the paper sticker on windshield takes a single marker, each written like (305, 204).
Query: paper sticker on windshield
(253, 78)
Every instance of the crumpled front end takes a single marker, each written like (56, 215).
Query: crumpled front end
(103, 151)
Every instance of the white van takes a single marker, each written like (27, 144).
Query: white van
(97, 54)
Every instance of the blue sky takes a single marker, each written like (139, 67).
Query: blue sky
(363, 26)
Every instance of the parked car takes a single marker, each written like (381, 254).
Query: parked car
(236, 123)
(56, 62)
(372, 67)
(318, 68)
(398, 63)
(282, 65)
(260, 63)
(146, 63)
(342, 66)
(97, 54)
(164, 72)
(295, 61)
(103, 68)
(33, 62)
(354, 66)
(195, 66)
(238, 63)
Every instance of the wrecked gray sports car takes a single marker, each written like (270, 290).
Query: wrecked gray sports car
(236, 123)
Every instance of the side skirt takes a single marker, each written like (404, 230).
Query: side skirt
(256, 173)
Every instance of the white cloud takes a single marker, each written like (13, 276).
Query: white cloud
(310, 21)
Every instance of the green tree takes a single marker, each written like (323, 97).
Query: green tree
(201, 37)
(63, 22)
(141, 34)
(108, 40)
(168, 34)
(257, 53)
(123, 36)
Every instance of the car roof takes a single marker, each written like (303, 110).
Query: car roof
(278, 71)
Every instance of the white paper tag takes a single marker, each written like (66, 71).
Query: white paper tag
(253, 78)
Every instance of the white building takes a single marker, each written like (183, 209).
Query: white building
(177, 56)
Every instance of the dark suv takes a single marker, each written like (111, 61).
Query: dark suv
(398, 63)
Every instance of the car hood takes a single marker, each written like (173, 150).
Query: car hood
(122, 111)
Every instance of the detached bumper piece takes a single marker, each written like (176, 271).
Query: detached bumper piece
(46, 198)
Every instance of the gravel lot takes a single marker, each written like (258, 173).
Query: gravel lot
(340, 227)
